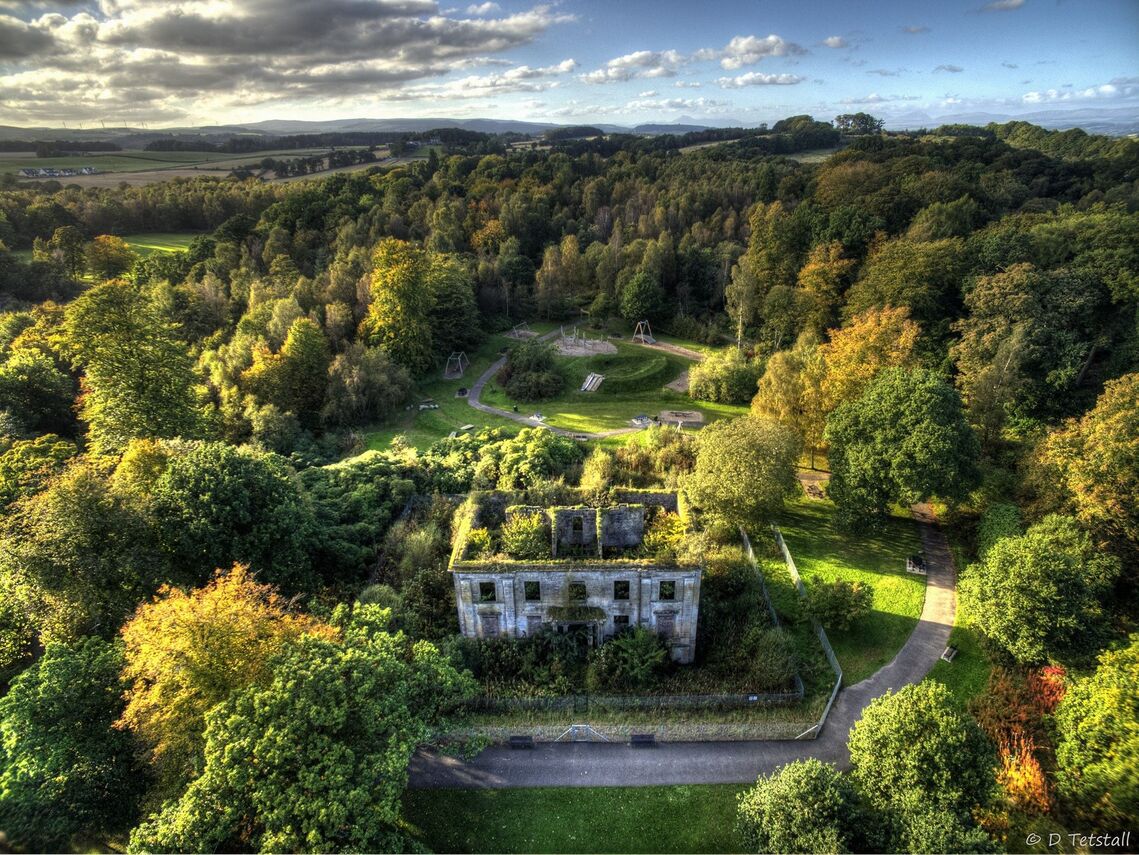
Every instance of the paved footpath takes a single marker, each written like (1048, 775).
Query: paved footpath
(476, 392)
(599, 764)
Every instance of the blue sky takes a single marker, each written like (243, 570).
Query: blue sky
(620, 62)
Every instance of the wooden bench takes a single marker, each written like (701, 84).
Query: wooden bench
(521, 743)
(642, 740)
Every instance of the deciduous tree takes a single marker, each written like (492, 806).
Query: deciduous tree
(137, 376)
(316, 759)
(66, 775)
(904, 440)
(1039, 596)
(745, 469)
(186, 652)
(1098, 746)
(914, 755)
(806, 806)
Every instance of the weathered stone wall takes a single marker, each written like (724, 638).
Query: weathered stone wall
(623, 526)
(652, 498)
(512, 615)
(575, 531)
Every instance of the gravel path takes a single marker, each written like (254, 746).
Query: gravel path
(593, 764)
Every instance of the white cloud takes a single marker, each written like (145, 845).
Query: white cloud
(219, 58)
(875, 98)
(952, 69)
(688, 84)
(1116, 89)
(748, 50)
(648, 93)
(835, 42)
(483, 8)
(641, 63)
(1002, 5)
(915, 30)
(756, 78)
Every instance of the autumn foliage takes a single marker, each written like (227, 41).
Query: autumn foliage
(188, 651)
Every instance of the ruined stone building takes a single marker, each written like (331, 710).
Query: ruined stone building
(596, 577)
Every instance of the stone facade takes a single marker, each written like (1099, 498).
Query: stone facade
(580, 587)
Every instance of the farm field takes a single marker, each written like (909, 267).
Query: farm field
(697, 818)
(146, 167)
(877, 559)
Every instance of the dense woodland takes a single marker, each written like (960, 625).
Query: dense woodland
(199, 572)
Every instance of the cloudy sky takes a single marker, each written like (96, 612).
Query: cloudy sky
(175, 62)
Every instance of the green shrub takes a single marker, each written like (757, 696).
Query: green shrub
(838, 604)
(806, 806)
(664, 536)
(480, 543)
(631, 662)
(526, 537)
(531, 372)
(1000, 520)
(725, 378)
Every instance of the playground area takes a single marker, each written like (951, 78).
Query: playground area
(574, 342)
(622, 386)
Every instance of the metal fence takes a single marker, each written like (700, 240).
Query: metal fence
(596, 703)
(819, 631)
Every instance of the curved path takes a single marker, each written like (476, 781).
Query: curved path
(594, 764)
(476, 391)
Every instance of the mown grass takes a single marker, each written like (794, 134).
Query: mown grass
(148, 244)
(611, 409)
(423, 427)
(577, 819)
(877, 559)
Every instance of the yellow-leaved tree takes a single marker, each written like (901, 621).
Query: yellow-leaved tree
(186, 652)
(869, 342)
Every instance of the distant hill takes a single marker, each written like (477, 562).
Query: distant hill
(1111, 122)
(668, 129)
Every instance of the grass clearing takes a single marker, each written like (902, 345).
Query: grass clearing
(423, 427)
(638, 376)
(643, 372)
(577, 819)
(148, 244)
(877, 559)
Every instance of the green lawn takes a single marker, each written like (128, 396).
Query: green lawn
(146, 244)
(611, 406)
(577, 819)
(587, 412)
(423, 427)
(877, 559)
